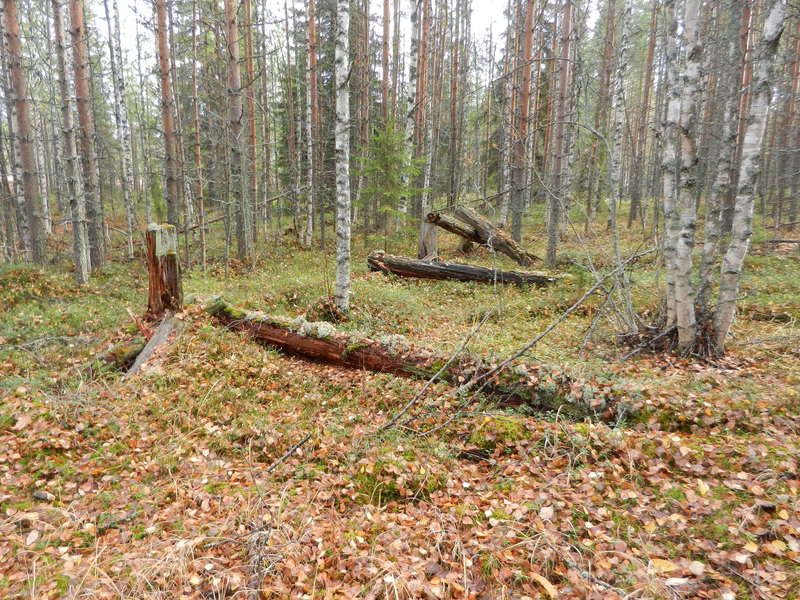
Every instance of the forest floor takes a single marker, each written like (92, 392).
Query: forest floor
(157, 486)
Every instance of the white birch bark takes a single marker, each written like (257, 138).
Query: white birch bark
(342, 151)
(730, 276)
(308, 232)
(411, 102)
(121, 119)
(686, 208)
(670, 162)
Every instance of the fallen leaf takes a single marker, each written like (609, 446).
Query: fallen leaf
(548, 587)
(660, 565)
(32, 537)
(697, 568)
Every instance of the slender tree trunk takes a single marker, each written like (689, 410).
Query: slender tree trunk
(293, 166)
(199, 187)
(556, 200)
(641, 130)
(167, 114)
(24, 131)
(250, 95)
(521, 133)
(453, 158)
(412, 102)
(91, 186)
(342, 150)
(721, 186)
(236, 141)
(385, 64)
(77, 207)
(761, 95)
(311, 121)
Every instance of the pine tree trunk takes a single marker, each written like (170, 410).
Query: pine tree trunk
(167, 114)
(91, 182)
(236, 141)
(250, 95)
(24, 131)
(77, 207)
(557, 198)
(730, 276)
(199, 189)
(521, 134)
(342, 151)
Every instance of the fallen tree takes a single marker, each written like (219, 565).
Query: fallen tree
(534, 386)
(494, 237)
(408, 267)
(455, 226)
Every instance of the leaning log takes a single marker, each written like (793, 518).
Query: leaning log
(452, 225)
(421, 269)
(495, 237)
(537, 387)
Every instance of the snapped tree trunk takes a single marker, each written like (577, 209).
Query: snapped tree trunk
(494, 237)
(422, 269)
(529, 385)
(165, 292)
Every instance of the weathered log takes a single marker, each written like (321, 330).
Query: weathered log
(408, 267)
(452, 225)
(495, 237)
(157, 340)
(165, 291)
(119, 357)
(537, 387)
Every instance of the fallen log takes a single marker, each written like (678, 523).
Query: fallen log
(537, 387)
(452, 225)
(495, 237)
(408, 267)
(157, 340)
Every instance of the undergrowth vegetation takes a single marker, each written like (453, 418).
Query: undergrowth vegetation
(179, 482)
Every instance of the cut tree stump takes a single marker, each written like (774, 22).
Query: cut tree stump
(537, 387)
(163, 269)
(495, 237)
(408, 267)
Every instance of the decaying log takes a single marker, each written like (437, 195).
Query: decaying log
(537, 387)
(452, 225)
(158, 339)
(163, 270)
(408, 267)
(119, 357)
(494, 237)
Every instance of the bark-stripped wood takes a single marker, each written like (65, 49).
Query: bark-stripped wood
(421, 269)
(452, 225)
(494, 237)
(165, 292)
(530, 385)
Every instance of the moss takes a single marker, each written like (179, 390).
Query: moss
(498, 431)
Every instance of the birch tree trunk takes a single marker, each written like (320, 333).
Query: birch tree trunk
(412, 102)
(250, 96)
(24, 131)
(77, 207)
(342, 151)
(742, 227)
(199, 189)
(686, 208)
(311, 115)
(167, 117)
(121, 120)
(91, 185)
(721, 186)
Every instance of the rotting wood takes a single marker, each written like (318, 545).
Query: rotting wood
(535, 386)
(165, 291)
(494, 237)
(158, 339)
(408, 267)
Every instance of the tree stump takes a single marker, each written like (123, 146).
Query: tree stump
(165, 291)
